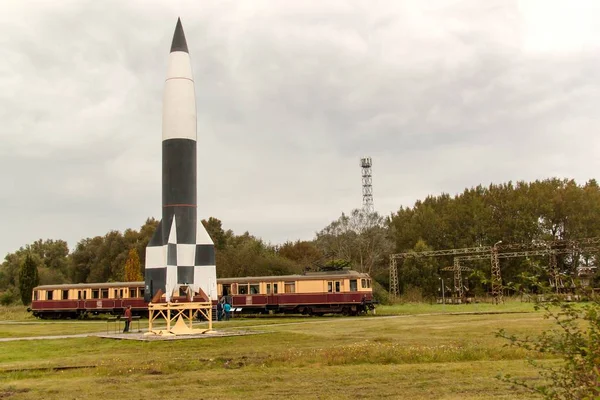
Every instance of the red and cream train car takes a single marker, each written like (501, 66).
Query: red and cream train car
(74, 300)
(346, 292)
(317, 293)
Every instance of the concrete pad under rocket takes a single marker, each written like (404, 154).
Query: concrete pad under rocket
(180, 253)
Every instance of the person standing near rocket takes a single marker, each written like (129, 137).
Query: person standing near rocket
(180, 253)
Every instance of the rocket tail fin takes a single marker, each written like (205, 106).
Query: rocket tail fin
(157, 237)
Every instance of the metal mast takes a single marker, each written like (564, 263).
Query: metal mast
(394, 284)
(367, 185)
(496, 276)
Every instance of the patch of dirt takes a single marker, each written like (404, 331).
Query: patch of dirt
(154, 372)
(6, 393)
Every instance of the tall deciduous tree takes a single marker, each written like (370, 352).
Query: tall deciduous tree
(28, 279)
(361, 237)
(133, 271)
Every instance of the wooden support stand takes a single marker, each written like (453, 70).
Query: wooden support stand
(179, 318)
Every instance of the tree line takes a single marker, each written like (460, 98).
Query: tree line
(518, 212)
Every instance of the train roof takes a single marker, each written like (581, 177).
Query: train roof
(90, 285)
(298, 277)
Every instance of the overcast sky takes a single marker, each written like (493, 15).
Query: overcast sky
(442, 95)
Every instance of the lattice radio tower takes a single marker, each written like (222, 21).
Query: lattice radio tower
(367, 185)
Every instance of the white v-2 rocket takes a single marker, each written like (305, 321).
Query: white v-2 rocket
(181, 253)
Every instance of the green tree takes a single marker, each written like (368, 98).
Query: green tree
(28, 279)
(133, 272)
(215, 230)
(83, 259)
(419, 274)
(302, 252)
(142, 239)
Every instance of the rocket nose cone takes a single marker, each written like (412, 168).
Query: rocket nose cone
(179, 43)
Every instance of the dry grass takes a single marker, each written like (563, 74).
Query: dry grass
(15, 313)
(405, 381)
(417, 357)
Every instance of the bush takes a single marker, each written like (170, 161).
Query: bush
(575, 340)
(412, 294)
(381, 295)
(8, 297)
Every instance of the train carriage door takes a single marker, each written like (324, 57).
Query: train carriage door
(272, 289)
(226, 290)
(333, 287)
(118, 298)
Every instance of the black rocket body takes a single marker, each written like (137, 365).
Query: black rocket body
(180, 253)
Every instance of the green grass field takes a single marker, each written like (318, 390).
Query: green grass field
(413, 351)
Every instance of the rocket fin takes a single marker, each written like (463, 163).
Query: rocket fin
(155, 274)
(172, 260)
(173, 232)
(157, 238)
(202, 236)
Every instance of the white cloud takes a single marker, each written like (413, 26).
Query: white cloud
(442, 94)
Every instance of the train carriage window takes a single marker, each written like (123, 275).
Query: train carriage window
(142, 290)
(49, 295)
(290, 287)
(275, 291)
(337, 286)
(104, 293)
(116, 293)
(35, 295)
(79, 295)
(95, 294)
(353, 285)
(363, 283)
(268, 288)
(329, 287)
(132, 293)
(255, 289)
(65, 294)
(243, 288)
(368, 283)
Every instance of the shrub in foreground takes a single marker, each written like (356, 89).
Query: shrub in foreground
(575, 340)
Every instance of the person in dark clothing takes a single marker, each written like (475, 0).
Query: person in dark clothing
(128, 318)
(219, 310)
